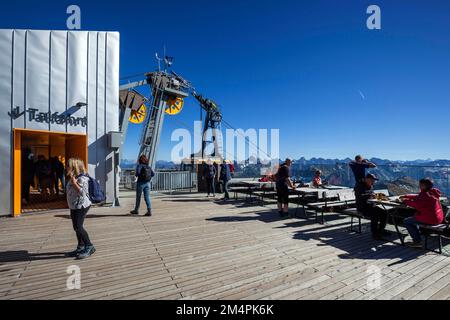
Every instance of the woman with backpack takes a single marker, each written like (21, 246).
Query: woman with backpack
(77, 190)
(144, 175)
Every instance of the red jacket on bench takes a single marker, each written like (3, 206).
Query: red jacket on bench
(428, 206)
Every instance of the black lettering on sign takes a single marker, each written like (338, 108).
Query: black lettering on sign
(48, 117)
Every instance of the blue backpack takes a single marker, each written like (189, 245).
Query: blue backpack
(96, 193)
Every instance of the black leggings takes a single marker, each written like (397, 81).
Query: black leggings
(78, 217)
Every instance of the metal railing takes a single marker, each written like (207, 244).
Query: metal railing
(398, 178)
(163, 181)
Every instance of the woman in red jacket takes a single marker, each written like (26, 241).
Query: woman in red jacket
(429, 210)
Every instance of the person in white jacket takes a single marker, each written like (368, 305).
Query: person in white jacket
(77, 191)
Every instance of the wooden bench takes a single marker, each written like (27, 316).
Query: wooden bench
(441, 230)
(262, 193)
(240, 187)
(312, 195)
(302, 200)
(345, 199)
(354, 213)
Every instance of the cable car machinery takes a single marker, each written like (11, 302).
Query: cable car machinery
(168, 91)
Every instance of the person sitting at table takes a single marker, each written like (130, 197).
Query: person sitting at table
(378, 216)
(359, 167)
(428, 210)
(283, 182)
(317, 180)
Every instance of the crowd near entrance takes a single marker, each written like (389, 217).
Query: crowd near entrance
(39, 168)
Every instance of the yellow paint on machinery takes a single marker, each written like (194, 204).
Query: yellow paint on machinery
(174, 106)
(138, 116)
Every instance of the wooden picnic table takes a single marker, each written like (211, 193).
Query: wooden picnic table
(320, 192)
(253, 187)
(391, 206)
(259, 184)
(307, 195)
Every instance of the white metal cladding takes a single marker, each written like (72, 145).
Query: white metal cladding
(52, 71)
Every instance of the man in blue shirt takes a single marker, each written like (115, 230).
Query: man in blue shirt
(359, 167)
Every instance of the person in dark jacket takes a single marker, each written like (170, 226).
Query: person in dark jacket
(359, 167)
(378, 216)
(283, 183)
(144, 175)
(58, 174)
(428, 210)
(210, 176)
(225, 177)
(27, 175)
(45, 176)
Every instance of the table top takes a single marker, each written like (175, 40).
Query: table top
(258, 183)
(389, 202)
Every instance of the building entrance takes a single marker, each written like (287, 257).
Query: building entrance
(39, 168)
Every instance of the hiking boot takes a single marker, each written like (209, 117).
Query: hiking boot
(86, 253)
(149, 213)
(75, 253)
(134, 212)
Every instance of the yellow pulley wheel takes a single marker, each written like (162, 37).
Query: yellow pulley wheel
(138, 116)
(174, 106)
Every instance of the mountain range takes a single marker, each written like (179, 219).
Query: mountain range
(163, 164)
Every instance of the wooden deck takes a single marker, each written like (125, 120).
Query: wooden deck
(194, 248)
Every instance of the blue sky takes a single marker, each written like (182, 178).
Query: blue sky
(310, 68)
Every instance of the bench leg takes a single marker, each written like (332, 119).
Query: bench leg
(351, 223)
(426, 241)
(440, 244)
(359, 222)
(323, 218)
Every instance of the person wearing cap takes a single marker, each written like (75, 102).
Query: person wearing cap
(359, 166)
(378, 217)
(283, 182)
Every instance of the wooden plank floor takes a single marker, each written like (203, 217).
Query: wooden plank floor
(195, 248)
